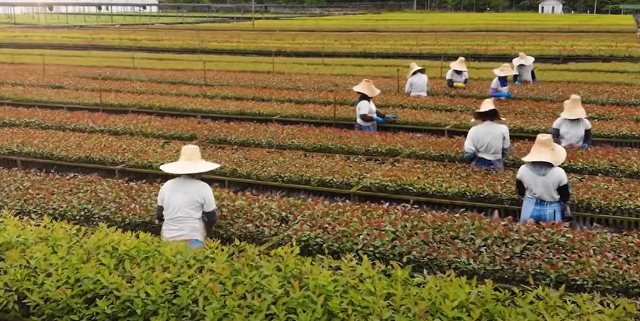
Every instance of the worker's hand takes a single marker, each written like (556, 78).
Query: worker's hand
(391, 116)
(517, 82)
(380, 120)
(459, 85)
(585, 145)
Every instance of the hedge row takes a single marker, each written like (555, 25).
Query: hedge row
(298, 85)
(56, 271)
(622, 96)
(550, 255)
(602, 160)
(592, 194)
(528, 118)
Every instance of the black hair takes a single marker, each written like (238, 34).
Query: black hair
(491, 115)
(363, 97)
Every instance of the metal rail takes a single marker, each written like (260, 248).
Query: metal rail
(433, 130)
(311, 54)
(355, 195)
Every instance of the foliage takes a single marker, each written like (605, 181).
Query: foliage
(600, 160)
(62, 272)
(433, 242)
(389, 176)
(601, 36)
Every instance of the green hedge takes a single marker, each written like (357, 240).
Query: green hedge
(56, 271)
(550, 255)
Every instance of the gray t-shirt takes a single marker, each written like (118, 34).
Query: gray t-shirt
(571, 130)
(487, 140)
(524, 72)
(541, 181)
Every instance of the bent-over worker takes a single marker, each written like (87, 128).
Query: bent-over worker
(500, 84)
(572, 128)
(457, 76)
(488, 143)
(544, 185)
(367, 115)
(186, 205)
(417, 81)
(524, 71)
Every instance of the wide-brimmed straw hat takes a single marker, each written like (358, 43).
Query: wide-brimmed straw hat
(190, 162)
(366, 87)
(459, 64)
(504, 70)
(413, 67)
(545, 150)
(487, 105)
(573, 108)
(523, 59)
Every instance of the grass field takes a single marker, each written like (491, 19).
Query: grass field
(504, 22)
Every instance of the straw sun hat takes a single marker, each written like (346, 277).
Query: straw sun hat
(413, 67)
(545, 150)
(573, 108)
(190, 162)
(487, 105)
(523, 59)
(504, 70)
(459, 64)
(366, 87)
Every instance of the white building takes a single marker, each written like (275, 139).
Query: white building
(79, 6)
(550, 6)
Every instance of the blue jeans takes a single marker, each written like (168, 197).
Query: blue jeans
(485, 163)
(370, 128)
(540, 211)
(195, 244)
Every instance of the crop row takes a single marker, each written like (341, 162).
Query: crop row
(470, 245)
(601, 160)
(299, 85)
(444, 101)
(612, 122)
(392, 176)
(125, 276)
(547, 44)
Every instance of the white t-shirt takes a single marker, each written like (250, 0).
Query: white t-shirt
(487, 140)
(495, 84)
(184, 199)
(366, 108)
(524, 72)
(457, 78)
(417, 85)
(571, 130)
(542, 187)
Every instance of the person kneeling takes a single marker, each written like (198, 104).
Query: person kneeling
(457, 76)
(500, 84)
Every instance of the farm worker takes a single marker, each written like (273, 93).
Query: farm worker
(572, 128)
(523, 65)
(417, 81)
(367, 116)
(500, 84)
(457, 76)
(544, 185)
(487, 143)
(186, 205)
